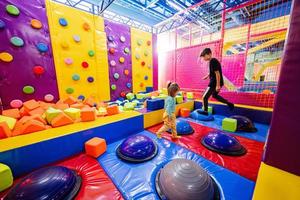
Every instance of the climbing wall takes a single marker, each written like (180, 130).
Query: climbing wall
(80, 52)
(26, 64)
(119, 57)
(142, 69)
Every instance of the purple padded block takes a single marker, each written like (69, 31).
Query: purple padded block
(283, 144)
(18, 73)
(114, 32)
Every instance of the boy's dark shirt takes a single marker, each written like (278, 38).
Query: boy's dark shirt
(214, 65)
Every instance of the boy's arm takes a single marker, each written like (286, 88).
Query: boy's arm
(205, 77)
(218, 77)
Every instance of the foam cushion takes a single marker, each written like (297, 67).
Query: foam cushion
(51, 113)
(141, 96)
(36, 111)
(30, 126)
(229, 124)
(179, 99)
(128, 106)
(190, 95)
(112, 110)
(74, 113)
(61, 120)
(31, 104)
(88, 114)
(6, 177)
(61, 106)
(95, 147)
(14, 113)
(155, 104)
(130, 96)
(11, 122)
(185, 112)
(164, 91)
(5, 132)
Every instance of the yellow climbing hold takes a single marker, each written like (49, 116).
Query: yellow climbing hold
(6, 57)
(64, 45)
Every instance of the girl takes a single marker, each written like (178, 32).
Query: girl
(169, 117)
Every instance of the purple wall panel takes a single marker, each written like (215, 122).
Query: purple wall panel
(155, 62)
(282, 150)
(114, 33)
(19, 73)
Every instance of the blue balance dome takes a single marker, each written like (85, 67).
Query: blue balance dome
(55, 183)
(183, 127)
(200, 115)
(183, 179)
(137, 148)
(223, 143)
(244, 123)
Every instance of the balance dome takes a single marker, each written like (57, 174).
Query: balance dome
(184, 179)
(199, 115)
(55, 183)
(183, 127)
(223, 143)
(137, 148)
(244, 123)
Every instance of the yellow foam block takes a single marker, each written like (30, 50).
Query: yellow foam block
(74, 113)
(276, 184)
(51, 113)
(9, 120)
(6, 177)
(164, 91)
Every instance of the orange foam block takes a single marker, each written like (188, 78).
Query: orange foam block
(61, 106)
(88, 114)
(31, 126)
(112, 110)
(37, 111)
(90, 101)
(45, 105)
(31, 104)
(95, 147)
(77, 105)
(61, 120)
(39, 118)
(185, 112)
(5, 132)
(70, 100)
(23, 112)
(14, 113)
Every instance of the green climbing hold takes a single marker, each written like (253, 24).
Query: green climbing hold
(137, 56)
(69, 90)
(16, 41)
(113, 87)
(91, 53)
(76, 77)
(126, 50)
(146, 53)
(140, 42)
(28, 89)
(12, 10)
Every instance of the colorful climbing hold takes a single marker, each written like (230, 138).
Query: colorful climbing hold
(126, 72)
(139, 42)
(2, 24)
(148, 42)
(116, 76)
(64, 45)
(90, 79)
(76, 38)
(110, 38)
(68, 61)
(113, 87)
(137, 56)
(37, 24)
(121, 59)
(6, 57)
(128, 85)
(76, 77)
(12, 10)
(113, 63)
(42, 47)
(146, 78)
(85, 64)
(16, 103)
(38, 70)
(86, 26)
(28, 89)
(16, 41)
(81, 97)
(49, 97)
(69, 90)
(141, 84)
(143, 63)
(122, 39)
(91, 53)
(112, 50)
(149, 66)
(63, 22)
(126, 50)
(146, 53)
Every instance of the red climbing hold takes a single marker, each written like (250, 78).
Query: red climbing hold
(111, 50)
(85, 64)
(143, 63)
(38, 70)
(148, 42)
(141, 84)
(123, 94)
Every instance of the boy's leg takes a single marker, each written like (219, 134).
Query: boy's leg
(208, 92)
(216, 95)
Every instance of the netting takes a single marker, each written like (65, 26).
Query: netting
(251, 40)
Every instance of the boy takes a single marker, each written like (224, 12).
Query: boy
(215, 80)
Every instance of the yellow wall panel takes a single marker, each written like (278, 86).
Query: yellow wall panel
(236, 34)
(270, 25)
(141, 52)
(93, 80)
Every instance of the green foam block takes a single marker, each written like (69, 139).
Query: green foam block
(6, 177)
(179, 99)
(209, 110)
(229, 124)
(130, 96)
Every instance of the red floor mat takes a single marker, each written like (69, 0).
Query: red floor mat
(246, 165)
(96, 185)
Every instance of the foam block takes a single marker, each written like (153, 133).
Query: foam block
(140, 96)
(155, 104)
(95, 147)
(74, 113)
(14, 113)
(149, 89)
(164, 91)
(31, 126)
(209, 110)
(23, 112)
(30, 105)
(70, 100)
(37, 111)
(11, 122)
(45, 105)
(229, 124)
(190, 95)
(130, 96)
(88, 114)
(61, 120)
(5, 132)
(77, 105)
(52, 113)
(162, 96)
(112, 110)
(128, 106)
(39, 118)
(185, 112)
(90, 101)
(6, 177)
(101, 112)
(61, 106)
(179, 99)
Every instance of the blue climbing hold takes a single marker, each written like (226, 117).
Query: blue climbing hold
(42, 47)
(128, 85)
(81, 97)
(200, 115)
(76, 77)
(146, 77)
(2, 24)
(90, 79)
(110, 38)
(63, 22)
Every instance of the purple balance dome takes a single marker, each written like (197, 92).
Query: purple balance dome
(223, 143)
(183, 127)
(183, 179)
(244, 123)
(137, 148)
(55, 183)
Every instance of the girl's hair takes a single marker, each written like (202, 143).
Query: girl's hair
(172, 89)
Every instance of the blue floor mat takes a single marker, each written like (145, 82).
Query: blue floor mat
(260, 135)
(136, 181)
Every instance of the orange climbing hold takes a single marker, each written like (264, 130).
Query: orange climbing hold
(5, 132)
(61, 120)
(143, 63)
(86, 26)
(37, 24)
(95, 147)
(112, 110)
(14, 113)
(87, 114)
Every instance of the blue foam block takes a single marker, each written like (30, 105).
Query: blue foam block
(136, 181)
(155, 104)
(149, 89)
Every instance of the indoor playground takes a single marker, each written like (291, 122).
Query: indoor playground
(85, 85)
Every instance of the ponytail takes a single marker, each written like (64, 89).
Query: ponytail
(169, 84)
